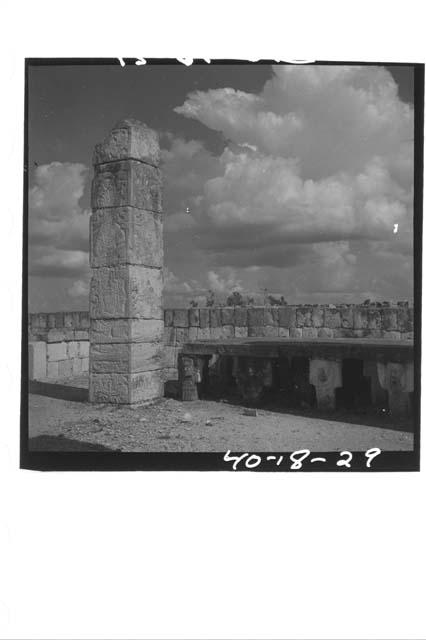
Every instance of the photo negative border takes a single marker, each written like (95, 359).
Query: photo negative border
(188, 461)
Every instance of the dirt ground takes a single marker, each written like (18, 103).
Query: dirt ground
(61, 418)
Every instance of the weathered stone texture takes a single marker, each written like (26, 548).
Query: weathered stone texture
(204, 318)
(127, 183)
(124, 388)
(37, 360)
(215, 319)
(126, 235)
(255, 317)
(325, 332)
(317, 316)
(309, 332)
(295, 332)
(126, 358)
(304, 317)
(390, 319)
(271, 316)
(129, 139)
(180, 318)
(241, 332)
(126, 292)
(347, 315)
(240, 315)
(194, 317)
(332, 318)
(227, 315)
(56, 351)
(287, 317)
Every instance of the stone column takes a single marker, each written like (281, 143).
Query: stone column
(398, 380)
(326, 376)
(126, 256)
(378, 394)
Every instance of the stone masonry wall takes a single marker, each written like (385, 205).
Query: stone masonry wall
(290, 321)
(66, 334)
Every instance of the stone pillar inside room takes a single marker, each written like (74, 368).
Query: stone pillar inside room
(126, 257)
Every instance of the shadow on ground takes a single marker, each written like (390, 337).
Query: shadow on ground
(60, 391)
(60, 443)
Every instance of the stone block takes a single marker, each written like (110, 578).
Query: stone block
(204, 318)
(374, 319)
(170, 357)
(347, 315)
(76, 366)
(216, 333)
(127, 183)
(332, 318)
(215, 319)
(126, 358)
(408, 335)
(391, 335)
(227, 316)
(51, 320)
(283, 332)
(271, 316)
(129, 139)
(192, 333)
(255, 317)
(325, 332)
(348, 333)
(309, 332)
(203, 333)
(390, 319)
(180, 318)
(360, 317)
(169, 336)
(168, 317)
(287, 317)
(241, 332)
(126, 292)
(42, 320)
(131, 330)
(410, 320)
(84, 320)
(69, 319)
(83, 349)
(270, 331)
(194, 317)
(228, 331)
(182, 334)
(295, 332)
(81, 335)
(84, 364)
(37, 360)
(240, 316)
(53, 369)
(56, 351)
(317, 315)
(65, 368)
(126, 235)
(56, 335)
(59, 320)
(72, 349)
(257, 331)
(304, 317)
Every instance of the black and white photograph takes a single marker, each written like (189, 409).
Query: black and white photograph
(221, 259)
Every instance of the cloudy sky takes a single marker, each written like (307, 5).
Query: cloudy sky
(294, 176)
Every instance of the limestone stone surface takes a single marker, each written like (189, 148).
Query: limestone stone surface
(128, 357)
(204, 318)
(56, 351)
(241, 332)
(129, 139)
(287, 317)
(126, 330)
(127, 183)
(37, 360)
(125, 235)
(240, 316)
(129, 291)
(126, 388)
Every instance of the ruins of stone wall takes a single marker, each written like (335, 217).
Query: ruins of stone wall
(70, 329)
(290, 321)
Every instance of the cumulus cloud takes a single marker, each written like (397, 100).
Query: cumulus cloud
(317, 170)
(58, 226)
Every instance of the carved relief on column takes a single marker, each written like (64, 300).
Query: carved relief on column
(326, 376)
(126, 256)
(398, 380)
